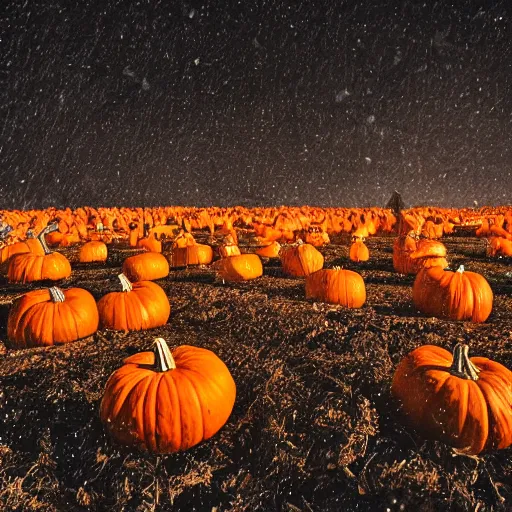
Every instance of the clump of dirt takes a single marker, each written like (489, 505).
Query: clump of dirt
(314, 427)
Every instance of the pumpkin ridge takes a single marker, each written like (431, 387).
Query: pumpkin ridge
(497, 415)
(175, 406)
(133, 407)
(149, 411)
(188, 432)
(199, 402)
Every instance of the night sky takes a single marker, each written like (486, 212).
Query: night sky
(333, 103)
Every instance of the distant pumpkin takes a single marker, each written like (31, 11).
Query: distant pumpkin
(242, 267)
(146, 267)
(93, 251)
(301, 259)
(358, 250)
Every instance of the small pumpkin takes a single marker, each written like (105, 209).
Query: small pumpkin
(358, 250)
(141, 305)
(454, 295)
(93, 251)
(242, 267)
(301, 259)
(464, 402)
(269, 251)
(50, 316)
(165, 402)
(146, 267)
(28, 267)
(337, 286)
(229, 247)
(186, 251)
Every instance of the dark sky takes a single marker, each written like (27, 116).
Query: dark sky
(333, 103)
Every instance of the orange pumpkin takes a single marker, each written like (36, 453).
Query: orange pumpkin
(269, 251)
(241, 267)
(454, 295)
(29, 245)
(164, 403)
(337, 286)
(28, 267)
(464, 402)
(411, 254)
(358, 250)
(301, 259)
(50, 316)
(141, 305)
(186, 251)
(146, 267)
(229, 247)
(150, 243)
(93, 251)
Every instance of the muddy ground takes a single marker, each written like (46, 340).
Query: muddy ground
(314, 427)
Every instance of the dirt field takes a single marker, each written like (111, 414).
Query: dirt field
(314, 427)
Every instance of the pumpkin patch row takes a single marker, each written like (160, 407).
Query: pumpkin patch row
(147, 226)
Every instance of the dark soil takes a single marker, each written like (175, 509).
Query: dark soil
(314, 427)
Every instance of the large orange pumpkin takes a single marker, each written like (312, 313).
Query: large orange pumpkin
(301, 259)
(163, 402)
(28, 267)
(464, 402)
(140, 305)
(454, 295)
(146, 267)
(337, 286)
(50, 316)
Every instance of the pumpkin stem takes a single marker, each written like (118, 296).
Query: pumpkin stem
(56, 294)
(48, 229)
(125, 283)
(461, 269)
(163, 357)
(462, 366)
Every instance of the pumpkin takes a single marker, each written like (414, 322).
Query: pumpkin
(461, 401)
(316, 237)
(50, 316)
(146, 266)
(269, 251)
(358, 250)
(411, 254)
(301, 259)
(453, 295)
(337, 286)
(186, 251)
(242, 267)
(28, 267)
(93, 251)
(140, 305)
(498, 246)
(165, 402)
(29, 245)
(229, 247)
